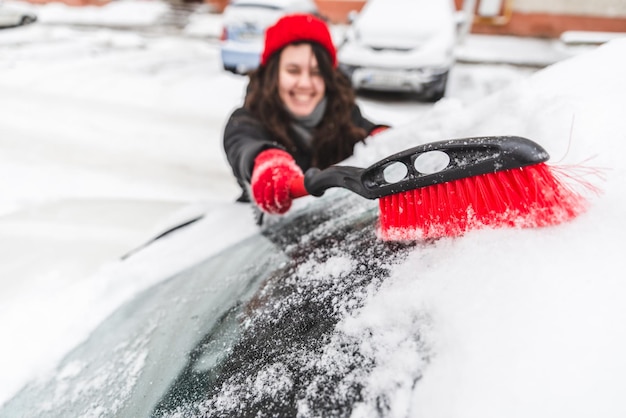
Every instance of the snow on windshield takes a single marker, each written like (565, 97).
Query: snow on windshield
(290, 358)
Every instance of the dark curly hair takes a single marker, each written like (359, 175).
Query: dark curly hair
(334, 138)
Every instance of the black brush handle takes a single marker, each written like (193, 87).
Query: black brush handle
(317, 181)
(467, 157)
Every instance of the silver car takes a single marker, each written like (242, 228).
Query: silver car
(244, 24)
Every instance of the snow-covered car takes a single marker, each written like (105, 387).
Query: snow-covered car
(401, 45)
(10, 18)
(248, 332)
(244, 24)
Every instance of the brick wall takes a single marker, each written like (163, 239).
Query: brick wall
(550, 18)
(541, 18)
(337, 10)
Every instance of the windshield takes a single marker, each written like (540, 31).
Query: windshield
(251, 329)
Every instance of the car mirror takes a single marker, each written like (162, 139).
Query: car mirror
(462, 23)
(352, 15)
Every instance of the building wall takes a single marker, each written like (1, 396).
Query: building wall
(337, 10)
(548, 25)
(605, 8)
(218, 5)
(540, 18)
(549, 18)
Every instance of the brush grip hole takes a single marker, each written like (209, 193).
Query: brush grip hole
(431, 162)
(395, 172)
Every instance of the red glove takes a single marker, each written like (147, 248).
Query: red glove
(274, 171)
(378, 130)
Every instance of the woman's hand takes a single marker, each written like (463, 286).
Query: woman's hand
(378, 129)
(274, 172)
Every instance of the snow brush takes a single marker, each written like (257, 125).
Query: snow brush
(446, 188)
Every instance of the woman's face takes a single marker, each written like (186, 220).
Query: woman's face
(300, 83)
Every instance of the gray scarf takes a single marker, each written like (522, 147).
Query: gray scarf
(304, 125)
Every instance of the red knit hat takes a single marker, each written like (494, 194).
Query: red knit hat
(297, 27)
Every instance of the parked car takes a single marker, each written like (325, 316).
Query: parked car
(401, 45)
(10, 18)
(248, 332)
(244, 24)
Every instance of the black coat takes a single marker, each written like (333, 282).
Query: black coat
(245, 138)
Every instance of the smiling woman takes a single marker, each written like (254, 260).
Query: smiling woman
(299, 112)
(300, 83)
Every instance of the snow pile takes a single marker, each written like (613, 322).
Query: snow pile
(521, 322)
(116, 13)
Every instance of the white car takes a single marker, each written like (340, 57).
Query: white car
(401, 45)
(244, 24)
(10, 18)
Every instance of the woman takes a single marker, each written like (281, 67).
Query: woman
(299, 112)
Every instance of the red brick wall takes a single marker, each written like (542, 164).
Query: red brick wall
(219, 5)
(550, 26)
(337, 10)
(546, 25)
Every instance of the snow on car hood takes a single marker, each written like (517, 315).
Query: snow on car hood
(516, 320)
(404, 24)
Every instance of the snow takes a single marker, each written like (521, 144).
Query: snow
(119, 14)
(525, 323)
(109, 137)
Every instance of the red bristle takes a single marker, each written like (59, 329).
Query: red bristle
(397, 216)
(482, 194)
(410, 208)
(443, 197)
(383, 214)
(530, 196)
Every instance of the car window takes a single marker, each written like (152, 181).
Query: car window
(248, 331)
(249, 22)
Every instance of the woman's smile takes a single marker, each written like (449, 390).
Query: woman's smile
(300, 84)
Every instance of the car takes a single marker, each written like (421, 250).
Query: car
(244, 23)
(246, 332)
(10, 18)
(401, 46)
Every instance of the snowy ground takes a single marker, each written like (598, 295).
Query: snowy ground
(107, 137)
